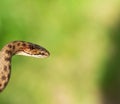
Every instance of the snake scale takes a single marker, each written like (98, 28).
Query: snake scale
(17, 48)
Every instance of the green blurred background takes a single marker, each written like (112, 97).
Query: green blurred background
(83, 37)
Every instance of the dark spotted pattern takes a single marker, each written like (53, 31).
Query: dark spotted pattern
(5, 68)
(13, 47)
(23, 44)
(8, 52)
(7, 59)
(18, 44)
(9, 45)
(3, 77)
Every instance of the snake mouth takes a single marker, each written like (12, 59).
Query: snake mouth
(42, 54)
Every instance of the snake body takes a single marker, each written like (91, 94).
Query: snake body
(17, 48)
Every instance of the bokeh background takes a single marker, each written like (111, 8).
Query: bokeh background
(83, 37)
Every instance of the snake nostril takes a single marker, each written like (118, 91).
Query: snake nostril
(45, 53)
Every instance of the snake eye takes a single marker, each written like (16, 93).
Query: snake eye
(31, 47)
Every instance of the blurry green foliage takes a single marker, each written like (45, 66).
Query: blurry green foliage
(77, 34)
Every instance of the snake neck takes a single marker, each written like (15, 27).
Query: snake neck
(5, 64)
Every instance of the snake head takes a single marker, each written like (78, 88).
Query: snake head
(33, 50)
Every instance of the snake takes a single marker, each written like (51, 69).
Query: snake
(17, 48)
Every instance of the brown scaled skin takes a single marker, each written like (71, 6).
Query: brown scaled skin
(17, 48)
